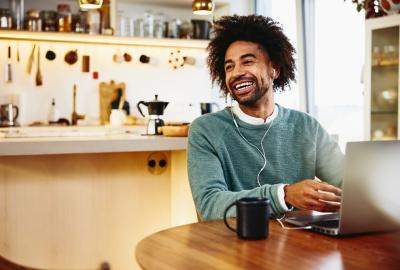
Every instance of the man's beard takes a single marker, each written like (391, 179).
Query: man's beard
(251, 100)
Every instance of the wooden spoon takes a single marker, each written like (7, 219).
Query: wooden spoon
(30, 60)
(39, 79)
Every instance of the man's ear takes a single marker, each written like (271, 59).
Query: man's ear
(275, 72)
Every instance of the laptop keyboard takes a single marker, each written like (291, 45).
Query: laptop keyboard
(327, 223)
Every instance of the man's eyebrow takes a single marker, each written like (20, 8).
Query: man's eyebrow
(247, 55)
(241, 57)
(228, 61)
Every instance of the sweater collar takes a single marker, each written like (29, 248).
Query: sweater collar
(254, 120)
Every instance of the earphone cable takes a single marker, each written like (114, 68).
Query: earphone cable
(261, 143)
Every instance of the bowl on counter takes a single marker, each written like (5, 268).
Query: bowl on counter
(181, 130)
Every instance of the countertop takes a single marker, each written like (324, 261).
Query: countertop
(76, 140)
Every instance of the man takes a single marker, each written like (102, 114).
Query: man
(259, 148)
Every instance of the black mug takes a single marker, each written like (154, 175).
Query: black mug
(252, 218)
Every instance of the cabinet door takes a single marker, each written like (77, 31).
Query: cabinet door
(384, 83)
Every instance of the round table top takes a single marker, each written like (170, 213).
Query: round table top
(210, 245)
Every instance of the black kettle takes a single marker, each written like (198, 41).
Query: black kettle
(155, 107)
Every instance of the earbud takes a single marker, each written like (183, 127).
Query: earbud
(273, 73)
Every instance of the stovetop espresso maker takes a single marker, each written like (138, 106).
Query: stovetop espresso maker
(156, 110)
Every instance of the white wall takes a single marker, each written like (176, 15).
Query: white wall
(184, 88)
(181, 87)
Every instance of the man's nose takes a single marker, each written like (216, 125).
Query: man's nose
(238, 71)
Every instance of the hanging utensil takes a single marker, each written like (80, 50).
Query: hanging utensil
(18, 58)
(71, 57)
(39, 79)
(30, 60)
(176, 59)
(85, 63)
(8, 67)
(95, 74)
(50, 55)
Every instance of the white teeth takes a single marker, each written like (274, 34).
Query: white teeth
(244, 84)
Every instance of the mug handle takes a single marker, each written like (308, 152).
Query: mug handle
(225, 213)
(16, 112)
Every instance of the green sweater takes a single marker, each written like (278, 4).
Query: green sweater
(223, 167)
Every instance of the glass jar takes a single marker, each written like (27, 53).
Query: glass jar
(5, 19)
(17, 12)
(64, 18)
(33, 21)
(148, 24)
(173, 28)
(138, 28)
(49, 18)
(159, 25)
(79, 22)
(93, 21)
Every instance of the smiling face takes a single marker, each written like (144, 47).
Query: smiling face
(248, 73)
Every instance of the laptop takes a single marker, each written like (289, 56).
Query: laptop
(370, 192)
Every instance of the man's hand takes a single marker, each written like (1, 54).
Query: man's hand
(313, 195)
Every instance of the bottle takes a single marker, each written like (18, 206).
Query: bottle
(53, 112)
(105, 25)
(64, 18)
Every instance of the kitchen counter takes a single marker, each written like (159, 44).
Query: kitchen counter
(76, 140)
(64, 186)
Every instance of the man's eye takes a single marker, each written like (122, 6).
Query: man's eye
(228, 67)
(248, 62)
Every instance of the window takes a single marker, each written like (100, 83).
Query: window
(284, 12)
(339, 57)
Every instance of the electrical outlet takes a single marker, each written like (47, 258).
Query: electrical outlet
(157, 163)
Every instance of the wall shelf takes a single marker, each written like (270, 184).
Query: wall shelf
(102, 39)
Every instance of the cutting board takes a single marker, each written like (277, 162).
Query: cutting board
(107, 93)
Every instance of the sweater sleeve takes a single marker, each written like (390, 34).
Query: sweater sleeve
(207, 181)
(329, 158)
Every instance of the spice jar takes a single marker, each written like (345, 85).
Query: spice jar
(49, 18)
(64, 18)
(33, 21)
(79, 22)
(5, 19)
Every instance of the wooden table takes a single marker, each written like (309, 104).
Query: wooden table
(210, 245)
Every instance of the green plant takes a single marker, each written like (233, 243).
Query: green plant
(360, 4)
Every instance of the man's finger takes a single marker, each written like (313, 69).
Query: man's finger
(328, 188)
(327, 196)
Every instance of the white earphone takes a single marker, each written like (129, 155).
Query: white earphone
(273, 73)
(249, 143)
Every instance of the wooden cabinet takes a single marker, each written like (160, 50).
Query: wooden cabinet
(382, 78)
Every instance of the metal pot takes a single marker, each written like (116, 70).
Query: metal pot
(155, 107)
(201, 29)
